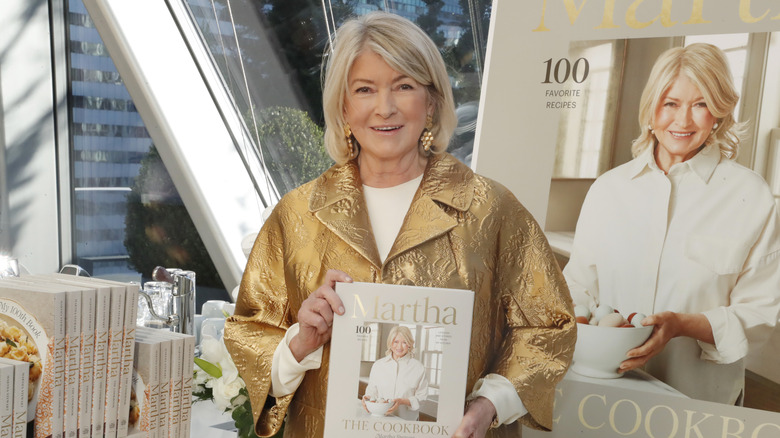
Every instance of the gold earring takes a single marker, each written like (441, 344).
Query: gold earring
(427, 136)
(350, 144)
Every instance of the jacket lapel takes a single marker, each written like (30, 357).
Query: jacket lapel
(337, 201)
(447, 183)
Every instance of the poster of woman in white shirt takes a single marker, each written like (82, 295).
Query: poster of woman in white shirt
(683, 232)
(399, 377)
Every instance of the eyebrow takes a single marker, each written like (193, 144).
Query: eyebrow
(369, 81)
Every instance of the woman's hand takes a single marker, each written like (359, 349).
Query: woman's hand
(477, 419)
(398, 402)
(363, 402)
(667, 325)
(315, 317)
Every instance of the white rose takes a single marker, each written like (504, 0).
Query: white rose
(225, 390)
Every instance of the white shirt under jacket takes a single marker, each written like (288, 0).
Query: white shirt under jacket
(383, 210)
(702, 239)
(402, 378)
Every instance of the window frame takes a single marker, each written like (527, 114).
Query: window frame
(225, 197)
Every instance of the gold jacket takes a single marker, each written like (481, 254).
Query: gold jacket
(462, 231)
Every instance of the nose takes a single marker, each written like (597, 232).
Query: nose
(386, 104)
(683, 116)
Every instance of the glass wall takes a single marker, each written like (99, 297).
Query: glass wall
(269, 53)
(128, 216)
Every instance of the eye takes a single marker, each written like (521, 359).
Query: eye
(670, 104)
(361, 90)
(700, 104)
(406, 87)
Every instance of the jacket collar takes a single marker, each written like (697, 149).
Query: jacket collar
(337, 201)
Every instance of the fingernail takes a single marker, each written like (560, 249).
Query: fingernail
(349, 278)
(341, 309)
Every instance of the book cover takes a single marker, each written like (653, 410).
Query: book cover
(34, 317)
(6, 400)
(21, 390)
(423, 331)
(145, 393)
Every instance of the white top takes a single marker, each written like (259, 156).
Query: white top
(386, 220)
(703, 239)
(402, 378)
(387, 209)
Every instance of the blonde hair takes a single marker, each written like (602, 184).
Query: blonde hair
(406, 49)
(405, 334)
(707, 67)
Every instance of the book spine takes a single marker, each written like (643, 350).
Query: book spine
(100, 368)
(22, 388)
(115, 353)
(165, 388)
(21, 382)
(6, 400)
(73, 328)
(186, 392)
(50, 408)
(177, 368)
(86, 365)
(128, 345)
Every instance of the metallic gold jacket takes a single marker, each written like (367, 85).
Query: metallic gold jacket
(462, 231)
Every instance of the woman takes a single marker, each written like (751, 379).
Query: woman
(396, 209)
(398, 376)
(684, 234)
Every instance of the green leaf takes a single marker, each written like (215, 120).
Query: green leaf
(208, 367)
(11, 343)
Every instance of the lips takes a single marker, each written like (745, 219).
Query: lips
(681, 134)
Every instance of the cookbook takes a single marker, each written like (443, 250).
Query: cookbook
(423, 332)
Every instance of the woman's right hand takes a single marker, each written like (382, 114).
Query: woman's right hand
(315, 317)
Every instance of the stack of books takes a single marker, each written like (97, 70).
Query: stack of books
(161, 399)
(77, 335)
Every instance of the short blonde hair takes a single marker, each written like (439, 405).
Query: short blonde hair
(405, 334)
(406, 49)
(707, 67)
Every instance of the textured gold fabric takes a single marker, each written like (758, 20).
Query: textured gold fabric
(462, 231)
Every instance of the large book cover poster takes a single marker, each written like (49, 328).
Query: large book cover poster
(563, 78)
(401, 343)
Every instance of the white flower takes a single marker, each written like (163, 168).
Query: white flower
(227, 386)
(225, 390)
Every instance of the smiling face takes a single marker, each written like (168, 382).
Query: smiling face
(682, 123)
(399, 347)
(386, 111)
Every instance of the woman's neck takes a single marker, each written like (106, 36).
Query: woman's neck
(383, 174)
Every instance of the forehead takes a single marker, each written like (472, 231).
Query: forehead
(682, 86)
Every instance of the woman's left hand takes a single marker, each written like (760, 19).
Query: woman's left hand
(398, 402)
(667, 325)
(476, 421)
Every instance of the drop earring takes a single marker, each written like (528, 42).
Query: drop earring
(427, 136)
(650, 128)
(350, 142)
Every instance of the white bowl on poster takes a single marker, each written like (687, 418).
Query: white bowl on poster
(600, 350)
